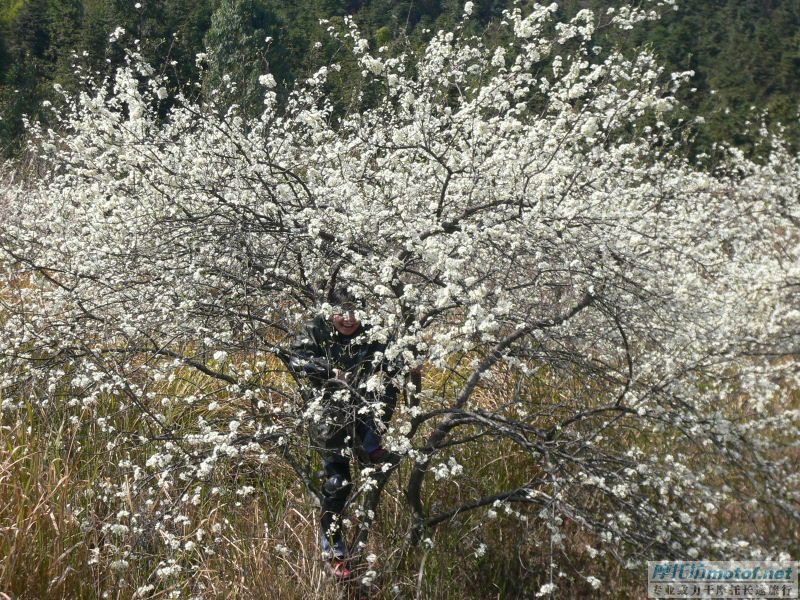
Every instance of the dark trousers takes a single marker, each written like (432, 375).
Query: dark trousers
(338, 479)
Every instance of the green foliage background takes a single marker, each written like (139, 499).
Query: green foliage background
(745, 53)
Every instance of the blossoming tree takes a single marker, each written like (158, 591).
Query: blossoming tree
(513, 218)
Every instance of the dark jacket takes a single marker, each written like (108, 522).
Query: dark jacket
(319, 349)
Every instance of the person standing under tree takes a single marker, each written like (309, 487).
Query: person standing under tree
(337, 358)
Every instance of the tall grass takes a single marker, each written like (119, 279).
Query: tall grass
(42, 483)
(52, 507)
(50, 515)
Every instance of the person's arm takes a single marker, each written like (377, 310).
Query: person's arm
(307, 355)
(398, 365)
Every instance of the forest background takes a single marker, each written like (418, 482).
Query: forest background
(744, 53)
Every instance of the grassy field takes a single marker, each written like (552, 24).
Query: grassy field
(52, 510)
(251, 531)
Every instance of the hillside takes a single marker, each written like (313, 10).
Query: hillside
(744, 53)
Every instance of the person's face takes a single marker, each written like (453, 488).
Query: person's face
(345, 320)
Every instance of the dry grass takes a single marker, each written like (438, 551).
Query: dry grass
(266, 550)
(44, 551)
(266, 547)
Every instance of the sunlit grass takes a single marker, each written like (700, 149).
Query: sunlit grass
(52, 473)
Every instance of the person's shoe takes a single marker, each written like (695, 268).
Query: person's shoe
(339, 568)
